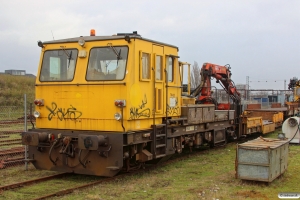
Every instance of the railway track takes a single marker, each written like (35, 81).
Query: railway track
(123, 175)
(30, 182)
(69, 190)
(102, 179)
(11, 151)
(12, 157)
(10, 142)
(11, 162)
(18, 121)
(5, 133)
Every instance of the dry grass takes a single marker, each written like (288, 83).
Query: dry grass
(12, 89)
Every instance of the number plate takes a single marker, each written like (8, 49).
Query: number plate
(189, 128)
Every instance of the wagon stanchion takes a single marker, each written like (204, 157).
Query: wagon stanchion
(25, 130)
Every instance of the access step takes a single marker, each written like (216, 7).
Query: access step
(160, 145)
(160, 155)
(161, 135)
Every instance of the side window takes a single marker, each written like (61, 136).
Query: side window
(170, 67)
(158, 68)
(145, 66)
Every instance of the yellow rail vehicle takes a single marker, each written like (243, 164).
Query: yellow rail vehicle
(107, 103)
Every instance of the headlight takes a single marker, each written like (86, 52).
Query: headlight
(36, 114)
(118, 116)
(81, 42)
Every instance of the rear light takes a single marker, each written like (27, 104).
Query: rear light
(145, 135)
(120, 103)
(39, 102)
(51, 137)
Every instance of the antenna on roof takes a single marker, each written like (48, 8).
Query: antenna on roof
(52, 34)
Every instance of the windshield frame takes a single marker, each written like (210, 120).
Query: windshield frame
(64, 56)
(119, 58)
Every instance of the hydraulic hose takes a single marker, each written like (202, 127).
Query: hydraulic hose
(50, 151)
(79, 158)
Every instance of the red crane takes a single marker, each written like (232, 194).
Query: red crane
(223, 76)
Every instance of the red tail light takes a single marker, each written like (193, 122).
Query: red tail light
(120, 103)
(39, 102)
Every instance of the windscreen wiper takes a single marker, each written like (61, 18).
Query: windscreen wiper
(69, 58)
(115, 51)
(119, 56)
(68, 55)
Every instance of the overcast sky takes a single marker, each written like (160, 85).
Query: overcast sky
(258, 38)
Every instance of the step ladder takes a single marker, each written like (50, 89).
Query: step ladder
(159, 140)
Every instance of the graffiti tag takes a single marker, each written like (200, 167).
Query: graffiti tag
(140, 111)
(174, 110)
(62, 113)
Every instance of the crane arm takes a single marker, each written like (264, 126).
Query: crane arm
(223, 76)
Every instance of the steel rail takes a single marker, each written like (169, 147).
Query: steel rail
(20, 121)
(12, 140)
(10, 132)
(11, 162)
(11, 153)
(15, 150)
(10, 143)
(30, 182)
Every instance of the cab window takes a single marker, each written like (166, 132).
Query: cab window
(158, 65)
(107, 63)
(146, 69)
(170, 67)
(58, 65)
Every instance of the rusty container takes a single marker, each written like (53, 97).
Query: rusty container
(221, 115)
(261, 159)
(198, 113)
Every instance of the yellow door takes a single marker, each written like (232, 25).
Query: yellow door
(159, 78)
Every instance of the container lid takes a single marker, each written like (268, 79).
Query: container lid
(263, 143)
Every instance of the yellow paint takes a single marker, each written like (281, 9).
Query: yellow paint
(254, 122)
(78, 95)
(268, 128)
(137, 124)
(90, 105)
(135, 95)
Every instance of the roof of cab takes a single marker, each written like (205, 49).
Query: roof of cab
(100, 38)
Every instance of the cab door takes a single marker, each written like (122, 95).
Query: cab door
(159, 78)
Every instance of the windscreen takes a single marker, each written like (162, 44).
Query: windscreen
(59, 65)
(107, 63)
